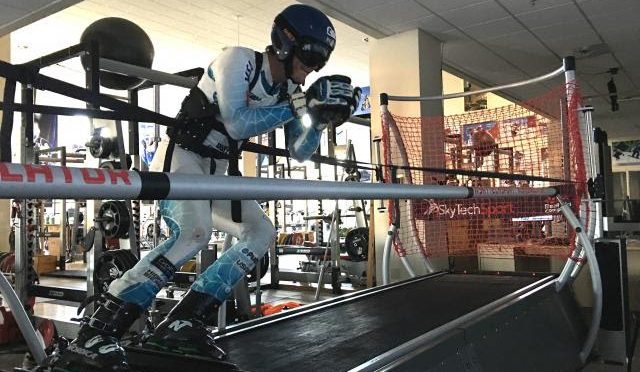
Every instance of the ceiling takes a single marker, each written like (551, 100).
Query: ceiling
(495, 42)
(490, 42)
(15, 14)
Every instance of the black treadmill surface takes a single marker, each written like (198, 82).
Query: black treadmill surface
(342, 337)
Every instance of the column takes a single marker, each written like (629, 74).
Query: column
(409, 64)
(5, 204)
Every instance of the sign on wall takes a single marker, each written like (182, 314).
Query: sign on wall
(364, 105)
(625, 153)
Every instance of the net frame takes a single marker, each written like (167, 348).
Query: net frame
(538, 108)
(588, 209)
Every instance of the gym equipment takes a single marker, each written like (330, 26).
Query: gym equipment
(73, 231)
(111, 109)
(102, 148)
(113, 219)
(111, 265)
(119, 40)
(356, 243)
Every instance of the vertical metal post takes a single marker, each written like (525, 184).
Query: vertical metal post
(259, 157)
(6, 129)
(596, 281)
(74, 230)
(156, 140)
(592, 165)
(335, 243)
(320, 211)
(273, 253)
(92, 83)
(24, 240)
(134, 152)
(64, 221)
(156, 108)
(379, 173)
(134, 133)
(133, 243)
(566, 169)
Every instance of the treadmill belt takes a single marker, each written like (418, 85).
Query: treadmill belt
(342, 337)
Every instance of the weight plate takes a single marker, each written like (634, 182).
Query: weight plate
(357, 243)
(113, 219)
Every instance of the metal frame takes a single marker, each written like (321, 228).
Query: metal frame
(538, 79)
(40, 181)
(28, 74)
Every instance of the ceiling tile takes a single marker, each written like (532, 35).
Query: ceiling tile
(434, 25)
(524, 51)
(522, 6)
(10, 14)
(598, 8)
(479, 13)
(355, 6)
(454, 36)
(550, 16)
(17, 14)
(597, 65)
(439, 6)
(494, 29)
(483, 60)
(431, 24)
(629, 57)
(619, 29)
(567, 37)
(396, 13)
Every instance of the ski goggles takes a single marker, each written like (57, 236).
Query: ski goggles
(312, 54)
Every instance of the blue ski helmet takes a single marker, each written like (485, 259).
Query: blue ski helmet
(311, 36)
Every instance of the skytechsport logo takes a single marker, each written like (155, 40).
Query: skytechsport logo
(461, 210)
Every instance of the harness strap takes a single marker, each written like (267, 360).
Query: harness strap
(198, 119)
(234, 170)
(254, 80)
(167, 158)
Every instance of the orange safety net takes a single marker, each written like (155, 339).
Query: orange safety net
(498, 147)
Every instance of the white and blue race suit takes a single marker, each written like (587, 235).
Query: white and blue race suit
(245, 113)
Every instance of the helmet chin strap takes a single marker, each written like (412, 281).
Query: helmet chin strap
(288, 66)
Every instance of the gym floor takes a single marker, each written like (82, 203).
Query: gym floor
(13, 356)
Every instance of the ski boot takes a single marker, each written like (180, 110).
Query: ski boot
(97, 347)
(184, 330)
